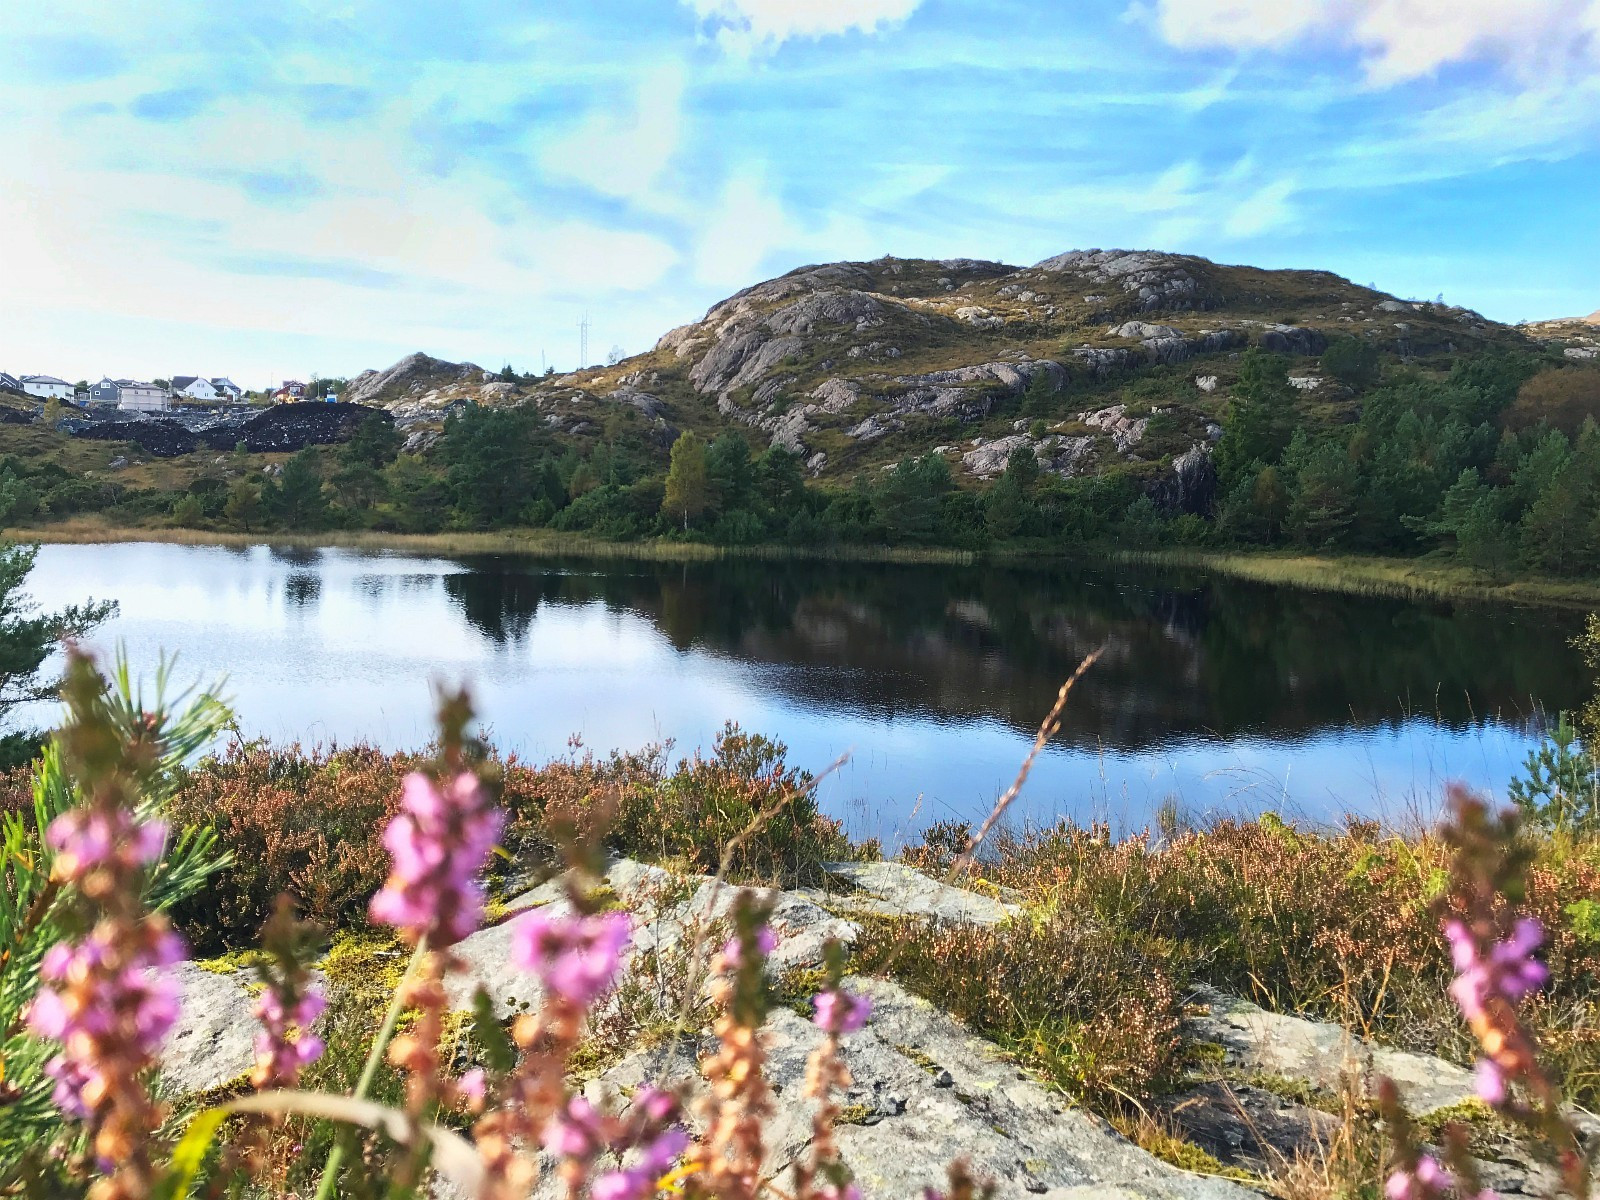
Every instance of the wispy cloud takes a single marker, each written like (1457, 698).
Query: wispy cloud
(746, 26)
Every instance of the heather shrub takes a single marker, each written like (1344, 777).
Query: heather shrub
(704, 806)
(1094, 1007)
(1334, 924)
(308, 822)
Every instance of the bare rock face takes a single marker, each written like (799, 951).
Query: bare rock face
(929, 1091)
(1190, 486)
(1142, 330)
(1101, 361)
(1292, 339)
(1063, 456)
(1126, 432)
(411, 377)
(1153, 279)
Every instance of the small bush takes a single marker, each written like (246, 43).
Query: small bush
(1093, 1007)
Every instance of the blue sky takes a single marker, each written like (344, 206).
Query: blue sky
(274, 189)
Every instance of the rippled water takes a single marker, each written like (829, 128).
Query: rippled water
(1217, 695)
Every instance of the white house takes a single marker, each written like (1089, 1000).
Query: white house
(192, 387)
(47, 386)
(227, 389)
(133, 396)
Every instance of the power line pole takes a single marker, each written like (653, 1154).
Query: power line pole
(583, 341)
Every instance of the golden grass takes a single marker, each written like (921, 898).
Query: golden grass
(542, 543)
(1357, 575)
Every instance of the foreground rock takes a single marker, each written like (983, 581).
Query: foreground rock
(1324, 1055)
(927, 1091)
(214, 1041)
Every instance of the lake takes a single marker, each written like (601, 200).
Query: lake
(1218, 696)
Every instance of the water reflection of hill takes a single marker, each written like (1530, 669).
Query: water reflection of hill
(1184, 655)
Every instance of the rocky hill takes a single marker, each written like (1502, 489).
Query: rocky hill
(1098, 359)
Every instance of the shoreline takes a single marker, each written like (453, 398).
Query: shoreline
(1418, 580)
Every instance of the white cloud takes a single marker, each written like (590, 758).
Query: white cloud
(1532, 40)
(623, 155)
(1262, 211)
(744, 26)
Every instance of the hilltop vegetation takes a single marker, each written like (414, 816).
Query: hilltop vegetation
(1138, 398)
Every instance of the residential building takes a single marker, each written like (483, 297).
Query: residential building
(192, 387)
(105, 392)
(133, 396)
(292, 392)
(10, 383)
(47, 387)
(228, 390)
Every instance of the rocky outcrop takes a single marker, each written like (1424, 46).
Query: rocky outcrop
(412, 376)
(1190, 486)
(1056, 454)
(1152, 279)
(1126, 432)
(1292, 339)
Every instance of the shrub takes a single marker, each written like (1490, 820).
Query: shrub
(308, 822)
(1094, 1007)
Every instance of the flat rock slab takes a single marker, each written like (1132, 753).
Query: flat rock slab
(214, 1039)
(1323, 1054)
(668, 914)
(927, 1091)
(896, 890)
(1248, 1127)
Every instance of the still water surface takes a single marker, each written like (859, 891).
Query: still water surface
(1221, 696)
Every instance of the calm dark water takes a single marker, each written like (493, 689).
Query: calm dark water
(1222, 696)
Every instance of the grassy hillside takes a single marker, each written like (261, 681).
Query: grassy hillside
(1135, 400)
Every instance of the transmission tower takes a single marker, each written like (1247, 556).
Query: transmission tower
(583, 342)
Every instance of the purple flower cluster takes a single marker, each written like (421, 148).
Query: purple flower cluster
(107, 996)
(1426, 1179)
(87, 840)
(1509, 970)
(840, 1011)
(581, 1132)
(439, 843)
(1487, 981)
(277, 1055)
(733, 951)
(576, 958)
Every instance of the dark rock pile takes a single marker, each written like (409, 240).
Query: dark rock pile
(287, 427)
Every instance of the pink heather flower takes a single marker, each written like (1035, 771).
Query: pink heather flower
(1509, 971)
(576, 958)
(832, 1191)
(71, 1079)
(438, 845)
(733, 951)
(575, 1132)
(1491, 1083)
(278, 1055)
(656, 1105)
(472, 1086)
(85, 841)
(638, 1182)
(139, 1003)
(1429, 1179)
(841, 1011)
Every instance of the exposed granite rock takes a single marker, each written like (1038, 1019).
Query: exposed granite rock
(930, 1092)
(1101, 361)
(1190, 486)
(410, 377)
(1126, 432)
(1142, 330)
(1057, 454)
(1247, 1127)
(1323, 1055)
(894, 889)
(1206, 383)
(1154, 279)
(214, 1040)
(1292, 339)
